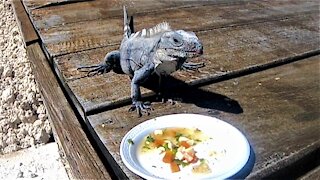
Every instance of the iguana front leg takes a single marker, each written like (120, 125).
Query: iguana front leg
(108, 63)
(139, 77)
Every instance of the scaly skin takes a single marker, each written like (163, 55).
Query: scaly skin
(157, 50)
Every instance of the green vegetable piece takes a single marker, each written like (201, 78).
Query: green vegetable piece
(178, 135)
(202, 161)
(130, 141)
(179, 162)
(166, 146)
(150, 139)
(174, 149)
(146, 147)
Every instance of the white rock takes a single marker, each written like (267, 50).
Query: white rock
(31, 141)
(11, 139)
(8, 95)
(31, 97)
(42, 117)
(21, 135)
(25, 105)
(7, 72)
(1, 70)
(37, 123)
(42, 136)
(47, 127)
(29, 116)
(41, 109)
(11, 147)
(3, 144)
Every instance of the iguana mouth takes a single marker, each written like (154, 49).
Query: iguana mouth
(183, 54)
(200, 52)
(194, 53)
(187, 54)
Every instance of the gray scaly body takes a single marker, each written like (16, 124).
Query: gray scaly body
(157, 50)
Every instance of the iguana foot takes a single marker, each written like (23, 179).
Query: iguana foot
(141, 107)
(192, 66)
(95, 69)
(170, 101)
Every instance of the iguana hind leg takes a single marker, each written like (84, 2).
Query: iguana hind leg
(110, 60)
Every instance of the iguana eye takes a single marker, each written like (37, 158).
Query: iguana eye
(176, 41)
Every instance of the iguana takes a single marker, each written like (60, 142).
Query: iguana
(159, 50)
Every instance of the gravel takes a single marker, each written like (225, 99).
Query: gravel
(23, 118)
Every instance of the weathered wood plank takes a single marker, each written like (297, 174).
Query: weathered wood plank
(26, 28)
(314, 174)
(303, 33)
(227, 50)
(83, 160)
(101, 9)
(278, 111)
(74, 37)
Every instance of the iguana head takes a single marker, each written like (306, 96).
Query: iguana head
(180, 44)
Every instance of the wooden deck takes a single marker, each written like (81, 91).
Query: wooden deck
(261, 75)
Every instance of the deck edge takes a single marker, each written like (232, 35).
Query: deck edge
(79, 153)
(26, 28)
(82, 158)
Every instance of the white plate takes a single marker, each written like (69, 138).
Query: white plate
(225, 136)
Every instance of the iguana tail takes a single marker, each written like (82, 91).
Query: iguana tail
(127, 30)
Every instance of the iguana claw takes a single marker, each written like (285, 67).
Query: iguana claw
(141, 107)
(192, 66)
(95, 69)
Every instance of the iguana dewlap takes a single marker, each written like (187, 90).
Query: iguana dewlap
(159, 50)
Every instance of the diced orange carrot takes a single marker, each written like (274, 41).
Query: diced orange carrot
(174, 167)
(168, 157)
(158, 141)
(184, 144)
